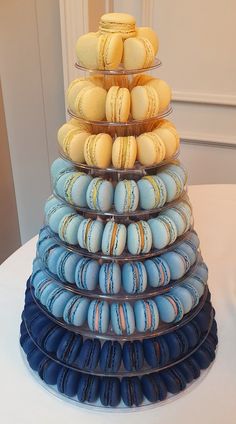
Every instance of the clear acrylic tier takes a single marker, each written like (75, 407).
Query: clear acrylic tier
(121, 70)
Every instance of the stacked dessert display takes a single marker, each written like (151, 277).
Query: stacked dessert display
(117, 309)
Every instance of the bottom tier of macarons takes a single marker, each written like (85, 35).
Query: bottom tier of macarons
(50, 350)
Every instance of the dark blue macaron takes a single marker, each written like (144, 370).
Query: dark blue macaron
(88, 388)
(89, 355)
(194, 367)
(174, 344)
(69, 347)
(48, 370)
(131, 391)
(27, 344)
(162, 389)
(68, 381)
(186, 370)
(110, 356)
(156, 351)
(44, 331)
(192, 332)
(202, 320)
(203, 358)
(34, 358)
(23, 329)
(184, 341)
(110, 391)
(174, 380)
(150, 387)
(52, 339)
(132, 355)
(36, 324)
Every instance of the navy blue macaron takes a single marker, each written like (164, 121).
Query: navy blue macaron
(69, 347)
(174, 380)
(186, 370)
(110, 357)
(34, 358)
(88, 388)
(68, 381)
(89, 355)
(150, 387)
(192, 363)
(184, 341)
(133, 356)
(53, 338)
(174, 345)
(110, 391)
(48, 370)
(131, 391)
(192, 332)
(156, 351)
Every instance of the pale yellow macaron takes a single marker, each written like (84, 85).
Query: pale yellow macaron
(164, 92)
(90, 103)
(72, 124)
(75, 87)
(124, 152)
(150, 34)
(98, 150)
(73, 145)
(138, 53)
(118, 104)
(86, 50)
(151, 149)
(144, 102)
(165, 123)
(116, 80)
(119, 23)
(171, 141)
(109, 51)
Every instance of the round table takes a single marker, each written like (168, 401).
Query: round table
(24, 401)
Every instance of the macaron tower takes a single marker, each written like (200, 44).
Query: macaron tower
(117, 310)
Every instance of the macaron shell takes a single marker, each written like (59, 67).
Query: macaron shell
(163, 91)
(90, 103)
(98, 150)
(134, 277)
(122, 318)
(124, 152)
(160, 233)
(126, 196)
(138, 53)
(99, 195)
(144, 102)
(86, 48)
(148, 32)
(139, 238)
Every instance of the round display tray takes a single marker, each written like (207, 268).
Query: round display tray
(121, 408)
(125, 257)
(137, 171)
(121, 70)
(110, 335)
(119, 125)
(123, 373)
(137, 214)
(122, 295)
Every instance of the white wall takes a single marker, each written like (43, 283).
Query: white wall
(33, 96)
(197, 51)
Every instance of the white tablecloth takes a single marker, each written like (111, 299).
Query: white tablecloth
(24, 401)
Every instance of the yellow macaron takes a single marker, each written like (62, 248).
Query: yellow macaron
(98, 150)
(86, 50)
(164, 92)
(119, 23)
(150, 34)
(72, 124)
(151, 149)
(118, 104)
(109, 51)
(90, 103)
(144, 102)
(124, 152)
(73, 145)
(170, 140)
(139, 79)
(75, 87)
(138, 53)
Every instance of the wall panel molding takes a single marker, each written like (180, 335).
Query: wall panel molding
(206, 98)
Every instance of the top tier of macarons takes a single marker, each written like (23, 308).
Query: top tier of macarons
(118, 44)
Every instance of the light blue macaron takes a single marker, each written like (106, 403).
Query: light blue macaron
(57, 301)
(46, 248)
(193, 239)
(99, 195)
(134, 277)
(193, 291)
(202, 272)
(53, 259)
(160, 233)
(185, 257)
(55, 215)
(197, 284)
(110, 278)
(99, 316)
(60, 165)
(179, 219)
(75, 311)
(90, 234)
(158, 272)
(122, 318)
(60, 181)
(50, 202)
(186, 210)
(139, 237)
(126, 196)
(178, 169)
(75, 188)
(68, 228)
(173, 183)
(146, 315)
(87, 274)
(66, 265)
(170, 308)
(152, 192)
(190, 251)
(176, 264)
(113, 239)
(184, 296)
